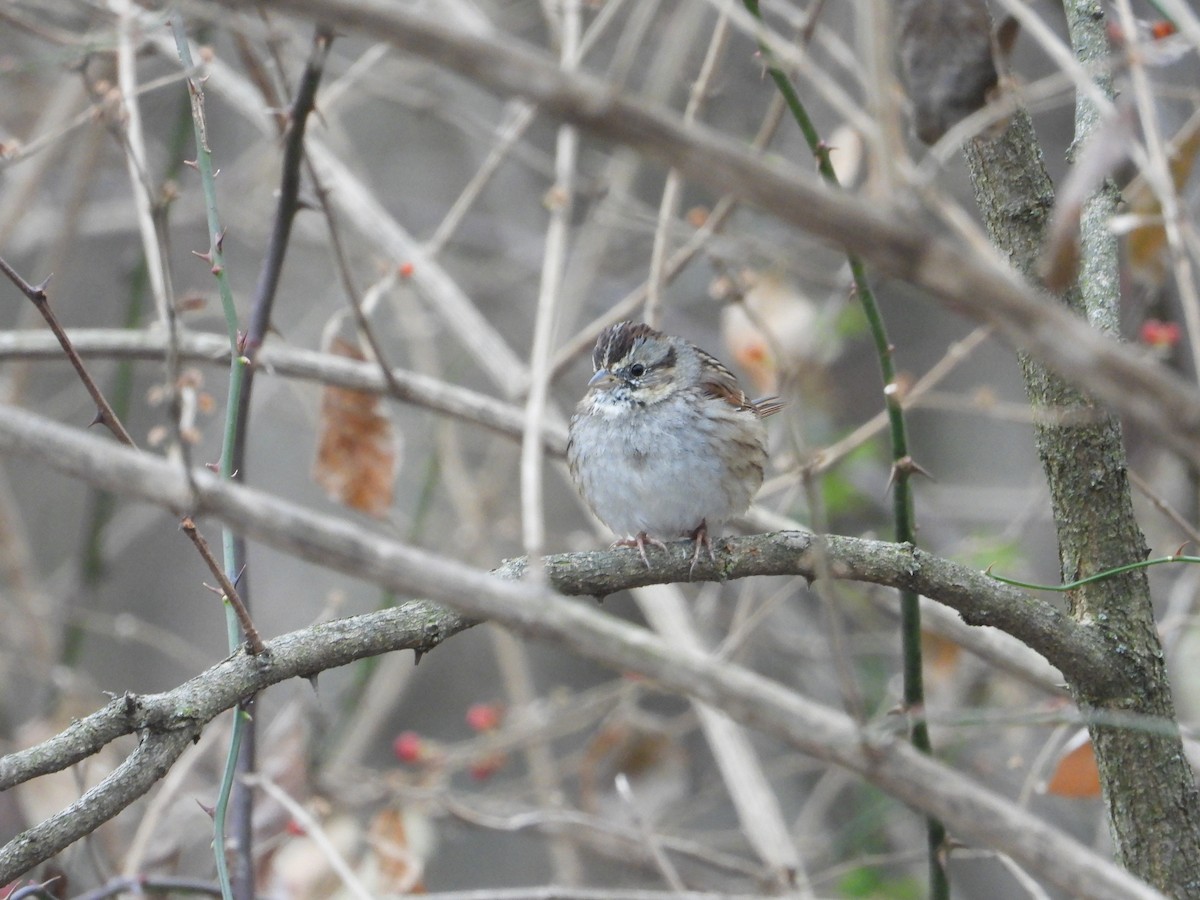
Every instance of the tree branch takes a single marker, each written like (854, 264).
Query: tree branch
(295, 362)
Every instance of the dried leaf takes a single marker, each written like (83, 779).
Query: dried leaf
(777, 330)
(1146, 243)
(941, 654)
(357, 448)
(1076, 774)
(300, 869)
(397, 865)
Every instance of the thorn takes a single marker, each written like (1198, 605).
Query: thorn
(40, 289)
(209, 811)
(599, 598)
(216, 172)
(212, 466)
(417, 654)
(206, 256)
(241, 572)
(97, 419)
(217, 270)
(913, 467)
(1179, 552)
(908, 466)
(312, 679)
(220, 240)
(988, 570)
(192, 164)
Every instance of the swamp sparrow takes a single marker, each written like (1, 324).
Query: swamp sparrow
(665, 444)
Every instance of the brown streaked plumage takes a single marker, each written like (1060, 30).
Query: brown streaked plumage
(665, 443)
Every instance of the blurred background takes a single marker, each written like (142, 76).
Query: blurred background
(493, 762)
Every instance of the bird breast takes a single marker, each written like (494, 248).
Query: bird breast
(664, 468)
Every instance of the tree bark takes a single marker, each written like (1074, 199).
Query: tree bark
(1147, 782)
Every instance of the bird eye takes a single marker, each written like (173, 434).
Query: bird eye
(637, 370)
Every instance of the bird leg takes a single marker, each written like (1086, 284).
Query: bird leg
(700, 536)
(640, 541)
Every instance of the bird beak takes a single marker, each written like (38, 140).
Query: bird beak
(602, 378)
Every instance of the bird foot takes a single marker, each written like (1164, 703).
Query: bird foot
(640, 541)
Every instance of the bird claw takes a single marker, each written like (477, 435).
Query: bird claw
(699, 536)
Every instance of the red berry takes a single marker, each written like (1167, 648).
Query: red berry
(406, 269)
(295, 829)
(409, 747)
(485, 768)
(1157, 333)
(483, 716)
(1161, 28)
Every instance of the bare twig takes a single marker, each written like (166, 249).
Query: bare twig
(312, 828)
(274, 358)
(668, 207)
(228, 592)
(741, 767)
(37, 294)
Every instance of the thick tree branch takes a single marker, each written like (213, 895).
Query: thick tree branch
(983, 287)
(141, 770)
(170, 720)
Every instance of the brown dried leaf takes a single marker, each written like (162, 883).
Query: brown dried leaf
(357, 448)
(1147, 243)
(941, 654)
(398, 865)
(1076, 774)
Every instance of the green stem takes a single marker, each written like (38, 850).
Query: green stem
(237, 372)
(902, 504)
(1099, 576)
